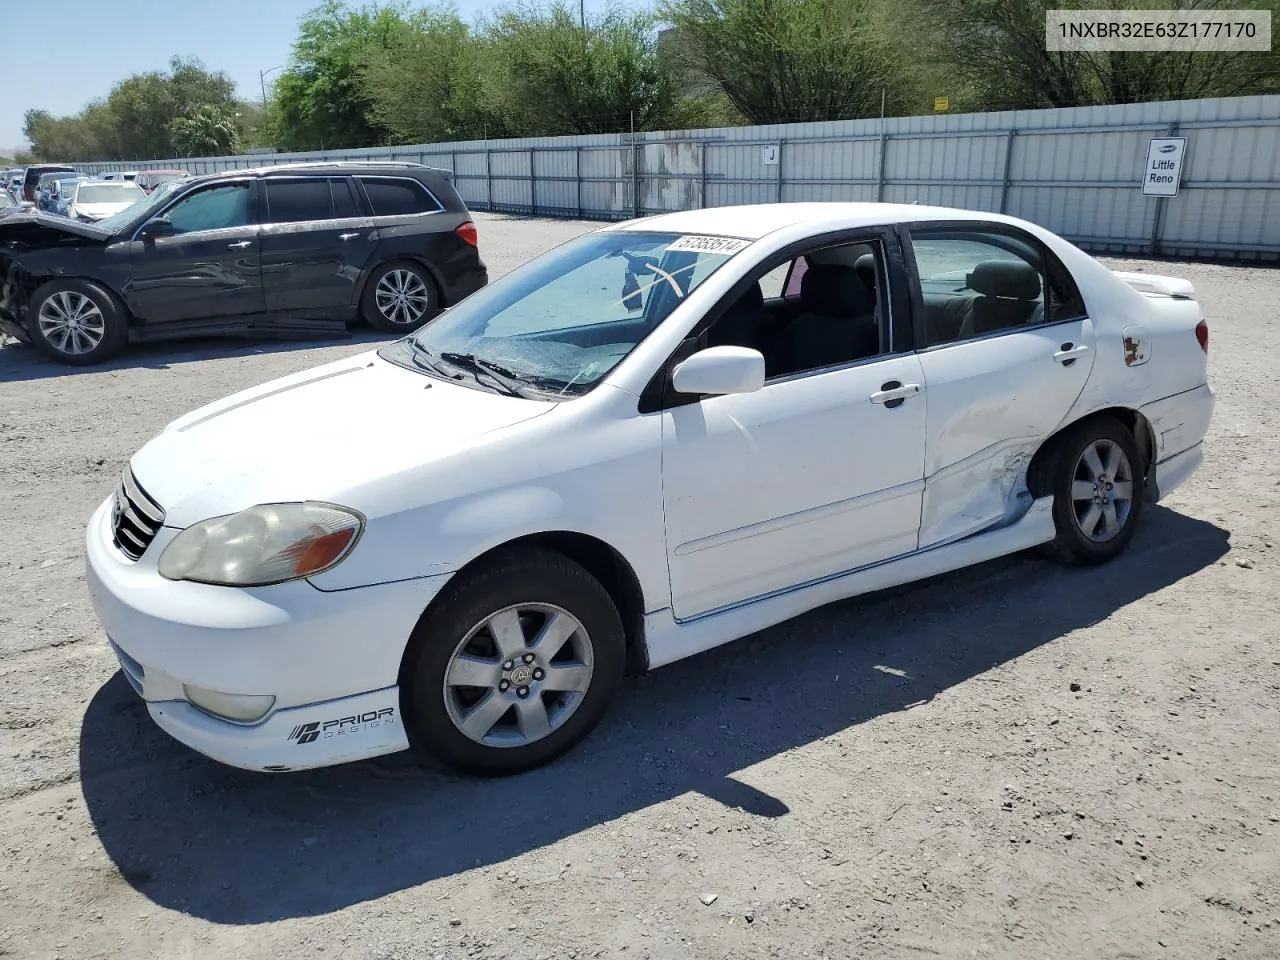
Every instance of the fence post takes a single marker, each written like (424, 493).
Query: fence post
(1008, 157)
(636, 153)
(533, 184)
(884, 139)
(488, 177)
(702, 171)
(1157, 224)
(782, 149)
(577, 175)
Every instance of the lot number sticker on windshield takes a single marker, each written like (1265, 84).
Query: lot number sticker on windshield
(725, 245)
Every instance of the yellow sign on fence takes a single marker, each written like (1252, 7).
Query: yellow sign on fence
(941, 104)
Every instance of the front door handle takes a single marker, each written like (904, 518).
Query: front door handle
(1069, 352)
(347, 236)
(240, 245)
(894, 393)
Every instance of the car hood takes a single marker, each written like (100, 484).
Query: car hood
(101, 210)
(329, 433)
(30, 226)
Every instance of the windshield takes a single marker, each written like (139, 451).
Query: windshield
(109, 193)
(559, 324)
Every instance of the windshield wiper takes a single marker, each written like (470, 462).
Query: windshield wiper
(426, 360)
(508, 381)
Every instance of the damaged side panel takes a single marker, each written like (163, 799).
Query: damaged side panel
(983, 490)
(24, 240)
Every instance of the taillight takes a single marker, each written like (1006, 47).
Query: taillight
(468, 233)
(1202, 334)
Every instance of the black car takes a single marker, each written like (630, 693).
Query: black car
(279, 251)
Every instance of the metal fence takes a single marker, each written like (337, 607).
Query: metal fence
(1076, 171)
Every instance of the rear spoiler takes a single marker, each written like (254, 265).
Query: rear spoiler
(1154, 285)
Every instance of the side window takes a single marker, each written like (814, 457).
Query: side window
(398, 196)
(212, 209)
(1065, 302)
(344, 201)
(974, 283)
(298, 201)
(837, 315)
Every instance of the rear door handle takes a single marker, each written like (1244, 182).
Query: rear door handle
(240, 245)
(894, 393)
(1068, 353)
(347, 236)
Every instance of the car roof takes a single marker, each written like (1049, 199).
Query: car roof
(753, 221)
(339, 167)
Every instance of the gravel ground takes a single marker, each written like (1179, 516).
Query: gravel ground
(1013, 761)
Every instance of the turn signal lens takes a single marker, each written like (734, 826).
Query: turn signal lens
(269, 543)
(1202, 334)
(238, 707)
(468, 233)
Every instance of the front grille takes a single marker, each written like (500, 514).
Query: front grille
(135, 517)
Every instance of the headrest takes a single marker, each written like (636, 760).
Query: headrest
(835, 290)
(866, 266)
(752, 297)
(1005, 278)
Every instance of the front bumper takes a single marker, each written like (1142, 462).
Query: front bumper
(330, 659)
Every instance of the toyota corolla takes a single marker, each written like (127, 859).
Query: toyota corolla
(654, 439)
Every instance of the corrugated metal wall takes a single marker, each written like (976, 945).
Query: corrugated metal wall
(1076, 171)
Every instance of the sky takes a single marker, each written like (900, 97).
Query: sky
(99, 44)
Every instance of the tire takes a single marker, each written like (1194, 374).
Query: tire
(489, 726)
(399, 298)
(77, 322)
(1097, 475)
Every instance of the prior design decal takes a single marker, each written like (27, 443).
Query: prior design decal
(342, 726)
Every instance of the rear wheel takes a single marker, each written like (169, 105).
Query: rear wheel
(76, 322)
(515, 664)
(399, 298)
(1097, 477)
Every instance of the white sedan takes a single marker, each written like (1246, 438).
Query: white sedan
(654, 439)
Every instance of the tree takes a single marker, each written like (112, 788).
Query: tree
(206, 131)
(429, 83)
(785, 61)
(995, 49)
(552, 75)
(319, 100)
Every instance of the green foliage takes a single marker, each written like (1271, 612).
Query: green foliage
(319, 100)
(206, 131)
(783, 61)
(134, 121)
(994, 50)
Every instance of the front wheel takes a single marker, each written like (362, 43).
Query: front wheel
(514, 665)
(76, 322)
(1098, 478)
(399, 298)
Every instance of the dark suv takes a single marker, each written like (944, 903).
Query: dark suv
(286, 250)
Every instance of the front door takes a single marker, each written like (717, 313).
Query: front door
(316, 245)
(819, 472)
(1006, 350)
(210, 269)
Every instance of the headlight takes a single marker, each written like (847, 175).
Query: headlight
(269, 543)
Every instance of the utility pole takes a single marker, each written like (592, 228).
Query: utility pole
(262, 80)
(582, 13)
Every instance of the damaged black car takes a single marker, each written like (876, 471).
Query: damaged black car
(292, 250)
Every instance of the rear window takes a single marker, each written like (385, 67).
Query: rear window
(398, 196)
(299, 201)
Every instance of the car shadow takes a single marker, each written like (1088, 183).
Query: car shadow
(23, 362)
(239, 848)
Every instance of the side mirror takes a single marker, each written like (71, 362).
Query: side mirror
(719, 371)
(156, 229)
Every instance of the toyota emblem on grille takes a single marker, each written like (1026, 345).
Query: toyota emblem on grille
(117, 508)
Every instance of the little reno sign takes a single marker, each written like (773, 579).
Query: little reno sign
(1163, 173)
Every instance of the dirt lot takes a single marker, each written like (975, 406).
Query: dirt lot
(910, 774)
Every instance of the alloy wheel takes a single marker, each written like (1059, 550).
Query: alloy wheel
(518, 675)
(1102, 490)
(402, 297)
(71, 322)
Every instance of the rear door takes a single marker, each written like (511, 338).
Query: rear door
(316, 245)
(1006, 347)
